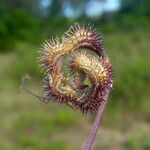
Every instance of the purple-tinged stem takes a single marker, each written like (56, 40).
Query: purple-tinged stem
(97, 121)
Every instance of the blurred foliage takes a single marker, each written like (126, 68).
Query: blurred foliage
(29, 21)
(139, 141)
(17, 25)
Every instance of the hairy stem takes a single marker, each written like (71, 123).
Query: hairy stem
(97, 121)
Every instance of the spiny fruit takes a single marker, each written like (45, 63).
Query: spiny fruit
(83, 85)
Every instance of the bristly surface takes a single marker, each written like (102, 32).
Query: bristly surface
(89, 75)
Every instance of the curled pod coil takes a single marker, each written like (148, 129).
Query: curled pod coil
(80, 54)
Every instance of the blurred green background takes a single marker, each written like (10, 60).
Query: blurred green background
(26, 123)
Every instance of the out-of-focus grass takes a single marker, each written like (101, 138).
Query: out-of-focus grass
(28, 124)
(37, 130)
(138, 141)
(130, 53)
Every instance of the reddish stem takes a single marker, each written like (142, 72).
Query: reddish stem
(96, 123)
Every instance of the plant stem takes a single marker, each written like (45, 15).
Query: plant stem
(97, 121)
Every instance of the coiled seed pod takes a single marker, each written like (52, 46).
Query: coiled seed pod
(83, 85)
